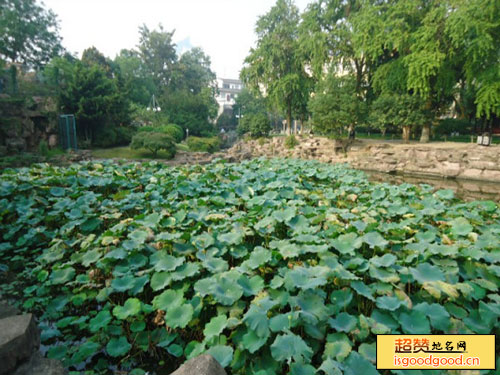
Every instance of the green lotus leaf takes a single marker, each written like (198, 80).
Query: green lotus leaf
(374, 239)
(385, 261)
(100, 321)
(215, 326)
(165, 262)
(253, 342)
(356, 364)
(347, 243)
(122, 284)
(222, 353)
(256, 319)
(178, 316)
(344, 322)
(168, 299)
(63, 275)
(338, 350)
(289, 346)
(160, 280)
(389, 303)
(368, 351)
(283, 216)
(439, 317)
(258, 257)
(131, 307)
(460, 227)
(232, 238)
(137, 326)
(90, 257)
(138, 236)
(186, 270)
(302, 369)
(85, 352)
(118, 347)
(203, 241)
(426, 272)
(362, 289)
(251, 286)
(226, 291)
(414, 322)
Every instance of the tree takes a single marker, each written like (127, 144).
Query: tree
(335, 105)
(256, 124)
(192, 72)
(95, 100)
(401, 110)
(157, 52)
(276, 64)
(138, 83)
(29, 33)
(328, 42)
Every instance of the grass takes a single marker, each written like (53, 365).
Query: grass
(125, 152)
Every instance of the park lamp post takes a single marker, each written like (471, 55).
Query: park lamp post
(153, 105)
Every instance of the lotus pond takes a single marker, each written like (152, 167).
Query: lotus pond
(271, 266)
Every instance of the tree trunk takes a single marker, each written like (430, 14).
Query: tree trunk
(406, 134)
(289, 119)
(426, 132)
(383, 130)
(350, 132)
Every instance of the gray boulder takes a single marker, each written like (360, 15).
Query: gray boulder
(19, 338)
(38, 365)
(202, 365)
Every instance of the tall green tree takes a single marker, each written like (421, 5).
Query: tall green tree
(157, 51)
(276, 64)
(29, 33)
(193, 72)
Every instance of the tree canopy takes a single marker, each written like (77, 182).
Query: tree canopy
(30, 33)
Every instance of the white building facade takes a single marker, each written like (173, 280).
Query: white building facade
(228, 91)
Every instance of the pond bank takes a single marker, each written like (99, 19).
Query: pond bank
(461, 161)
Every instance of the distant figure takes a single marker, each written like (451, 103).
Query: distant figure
(352, 134)
(222, 131)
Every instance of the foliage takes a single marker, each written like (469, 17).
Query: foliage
(335, 105)
(29, 33)
(96, 100)
(398, 110)
(451, 125)
(43, 148)
(211, 144)
(227, 121)
(255, 124)
(154, 142)
(291, 142)
(266, 265)
(174, 131)
(277, 63)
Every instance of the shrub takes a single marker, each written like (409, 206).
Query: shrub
(43, 148)
(105, 137)
(154, 142)
(451, 125)
(211, 144)
(124, 135)
(174, 131)
(256, 124)
(291, 141)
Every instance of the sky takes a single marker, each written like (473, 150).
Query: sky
(224, 29)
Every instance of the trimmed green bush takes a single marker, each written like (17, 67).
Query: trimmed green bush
(211, 144)
(175, 131)
(154, 142)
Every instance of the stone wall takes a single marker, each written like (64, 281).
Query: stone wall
(445, 160)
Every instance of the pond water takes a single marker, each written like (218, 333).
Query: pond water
(465, 189)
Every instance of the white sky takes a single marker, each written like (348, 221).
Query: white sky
(224, 29)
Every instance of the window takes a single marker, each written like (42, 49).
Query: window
(225, 85)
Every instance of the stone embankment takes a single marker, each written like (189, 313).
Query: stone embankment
(443, 160)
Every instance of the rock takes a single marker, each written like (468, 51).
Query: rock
(202, 365)
(7, 310)
(38, 365)
(19, 338)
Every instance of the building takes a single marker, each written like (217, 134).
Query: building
(228, 90)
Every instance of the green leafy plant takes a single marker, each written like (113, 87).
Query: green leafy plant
(291, 142)
(211, 144)
(277, 266)
(154, 142)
